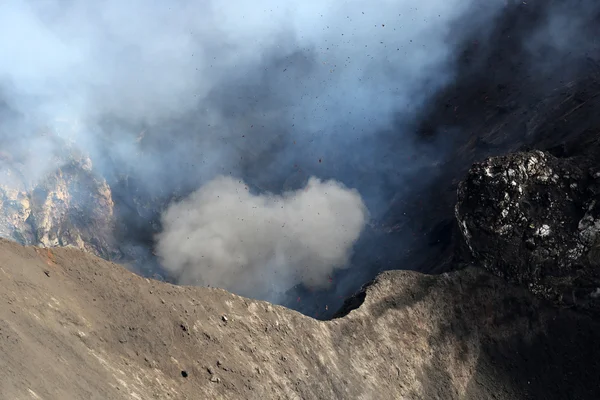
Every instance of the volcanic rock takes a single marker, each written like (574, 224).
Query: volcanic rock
(533, 219)
(70, 206)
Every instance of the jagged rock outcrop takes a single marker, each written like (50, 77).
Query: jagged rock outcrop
(465, 335)
(15, 207)
(534, 220)
(70, 206)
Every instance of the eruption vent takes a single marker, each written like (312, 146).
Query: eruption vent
(258, 245)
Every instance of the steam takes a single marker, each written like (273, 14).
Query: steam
(257, 244)
(323, 73)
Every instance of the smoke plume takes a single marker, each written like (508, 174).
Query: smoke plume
(176, 93)
(255, 244)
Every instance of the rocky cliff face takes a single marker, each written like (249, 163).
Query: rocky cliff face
(70, 206)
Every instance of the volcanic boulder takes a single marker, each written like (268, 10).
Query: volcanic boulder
(533, 219)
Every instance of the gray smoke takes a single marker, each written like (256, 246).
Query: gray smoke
(321, 73)
(563, 39)
(256, 244)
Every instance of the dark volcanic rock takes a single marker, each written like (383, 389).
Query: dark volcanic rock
(533, 219)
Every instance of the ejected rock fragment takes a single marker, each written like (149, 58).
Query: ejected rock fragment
(533, 219)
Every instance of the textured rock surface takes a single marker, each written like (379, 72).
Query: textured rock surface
(533, 219)
(70, 206)
(463, 335)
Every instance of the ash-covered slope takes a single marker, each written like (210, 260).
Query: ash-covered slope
(78, 327)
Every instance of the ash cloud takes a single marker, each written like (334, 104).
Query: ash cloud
(180, 92)
(258, 244)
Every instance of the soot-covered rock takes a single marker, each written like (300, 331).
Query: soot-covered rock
(534, 220)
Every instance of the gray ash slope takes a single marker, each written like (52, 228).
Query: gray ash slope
(462, 335)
